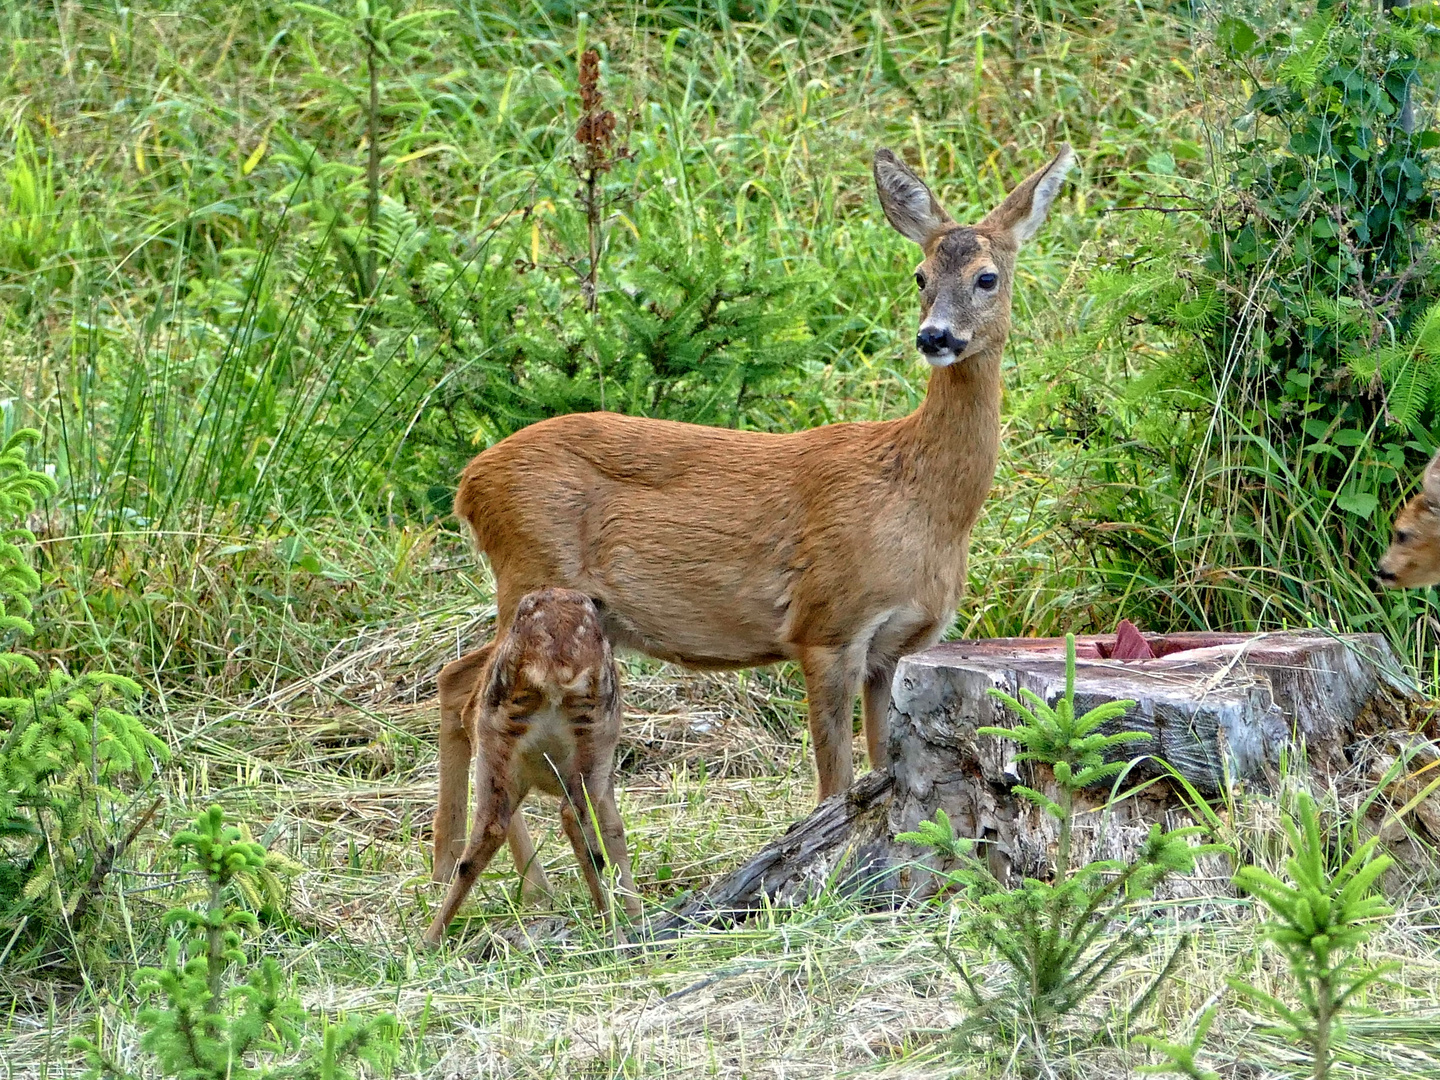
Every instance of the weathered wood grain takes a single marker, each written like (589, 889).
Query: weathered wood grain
(1221, 709)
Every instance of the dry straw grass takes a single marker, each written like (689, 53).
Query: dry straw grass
(713, 766)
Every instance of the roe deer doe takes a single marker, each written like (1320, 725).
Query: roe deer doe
(842, 547)
(1413, 558)
(544, 712)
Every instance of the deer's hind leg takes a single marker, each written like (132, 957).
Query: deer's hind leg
(456, 683)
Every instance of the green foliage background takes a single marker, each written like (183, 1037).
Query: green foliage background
(191, 321)
(258, 344)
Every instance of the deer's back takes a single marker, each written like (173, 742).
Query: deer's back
(693, 539)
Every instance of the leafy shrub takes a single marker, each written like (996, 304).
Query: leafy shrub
(1325, 255)
(1319, 918)
(699, 334)
(1272, 351)
(1062, 938)
(215, 1014)
(67, 745)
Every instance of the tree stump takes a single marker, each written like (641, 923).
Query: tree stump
(1221, 709)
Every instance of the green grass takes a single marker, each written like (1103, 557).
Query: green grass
(255, 456)
(183, 325)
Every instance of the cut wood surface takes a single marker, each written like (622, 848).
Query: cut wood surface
(1220, 709)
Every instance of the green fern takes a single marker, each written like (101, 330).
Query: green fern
(1408, 372)
(1301, 68)
(205, 1023)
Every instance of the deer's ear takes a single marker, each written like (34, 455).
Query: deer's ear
(1430, 486)
(1024, 209)
(909, 205)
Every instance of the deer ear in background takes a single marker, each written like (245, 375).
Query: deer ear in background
(1431, 484)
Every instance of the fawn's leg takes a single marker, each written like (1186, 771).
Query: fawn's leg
(575, 820)
(875, 708)
(832, 679)
(534, 885)
(456, 683)
(595, 763)
(612, 835)
(495, 803)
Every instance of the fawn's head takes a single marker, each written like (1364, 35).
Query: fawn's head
(1413, 557)
(554, 653)
(966, 275)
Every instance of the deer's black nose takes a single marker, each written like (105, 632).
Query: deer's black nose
(932, 340)
(1384, 575)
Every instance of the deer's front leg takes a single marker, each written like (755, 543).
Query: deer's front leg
(875, 709)
(575, 820)
(832, 679)
(612, 835)
(599, 779)
(534, 885)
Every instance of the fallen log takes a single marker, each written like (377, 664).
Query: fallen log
(1223, 711)
(839, 843)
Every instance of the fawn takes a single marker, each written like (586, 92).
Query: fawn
(843, 547)
(543, 711)
(1413, 558)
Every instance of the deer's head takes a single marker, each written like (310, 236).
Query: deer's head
(966, 276)
(1413, 557)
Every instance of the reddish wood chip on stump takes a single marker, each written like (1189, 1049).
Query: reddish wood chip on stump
(1130, 644)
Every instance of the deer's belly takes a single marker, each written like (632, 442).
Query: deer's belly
(904, 630)
(700, 631)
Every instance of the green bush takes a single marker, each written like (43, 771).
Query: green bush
(1061, 938)
(703, 335)
(1319, 918)
(215, 1013)
(1272, 394)
(67, 748)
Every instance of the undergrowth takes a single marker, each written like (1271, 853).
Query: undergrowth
(270, 273)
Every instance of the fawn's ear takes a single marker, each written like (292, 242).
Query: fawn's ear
(1430, 486)
(1024, 209)
(909, 205)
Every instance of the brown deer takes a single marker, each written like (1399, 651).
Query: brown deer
(1413, 558)
(543, 712)
(842, 547)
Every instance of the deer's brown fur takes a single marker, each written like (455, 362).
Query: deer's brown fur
(543, 712)
(1413, 558)
(843, 547)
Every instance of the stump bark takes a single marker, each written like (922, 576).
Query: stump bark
(1221, 709)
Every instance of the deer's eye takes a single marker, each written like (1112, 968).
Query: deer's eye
(987, 281)
(919, 279)
(1401, 536)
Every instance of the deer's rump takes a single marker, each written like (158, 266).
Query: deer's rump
(693, 540)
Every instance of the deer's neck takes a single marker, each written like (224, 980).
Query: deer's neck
(950, 444)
